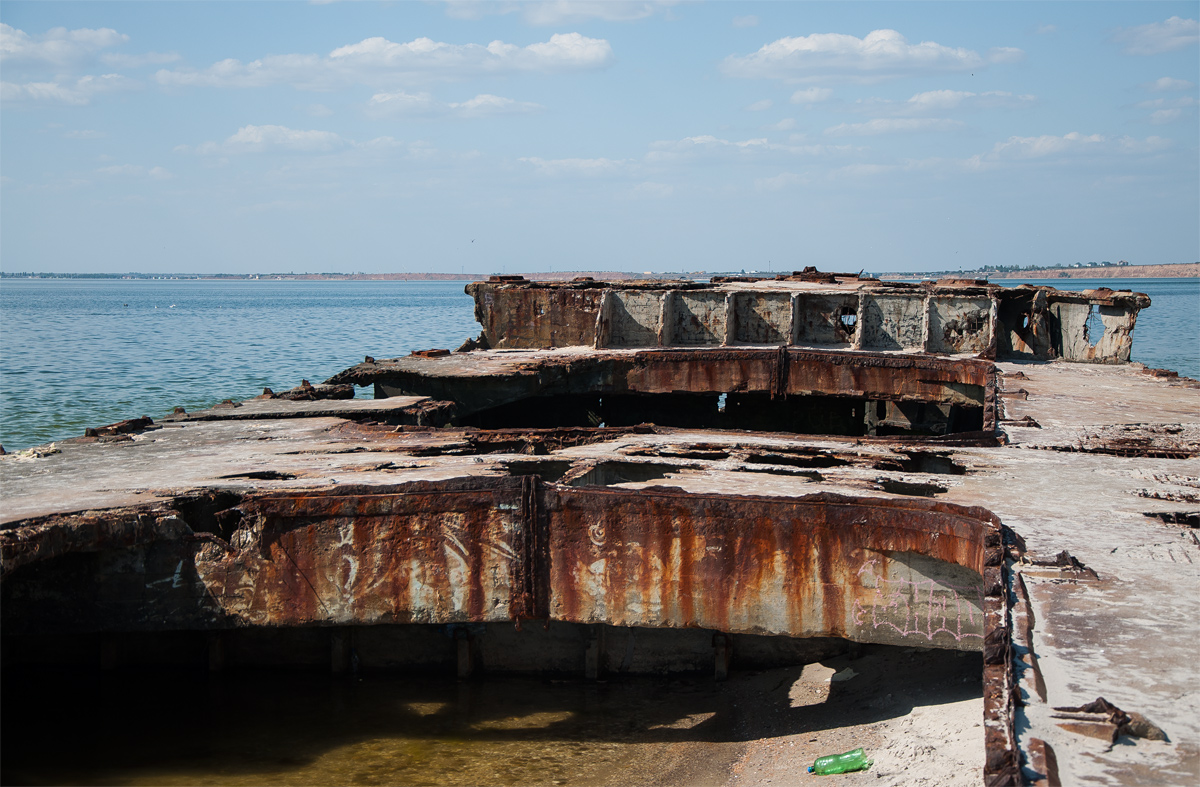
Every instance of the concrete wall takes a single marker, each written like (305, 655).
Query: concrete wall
(499, 550)
(892, 322)
(1035, 323)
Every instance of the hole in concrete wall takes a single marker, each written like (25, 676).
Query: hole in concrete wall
(684, 410)
(610, 473)
(923, 419)
(914, 489)
(795, 472)
(797, 414)
(1093, 327)
(706, 451)
(263, 475)
(539, 412)
(817, 459)
(847, 320)
(1186, 518)
(759, 412)
(550, 470)
(209, 512)
(922, 462)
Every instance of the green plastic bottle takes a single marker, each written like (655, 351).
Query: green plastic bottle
(841, 763)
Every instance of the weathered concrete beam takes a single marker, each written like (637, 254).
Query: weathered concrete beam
(481, 380)
(488, 550)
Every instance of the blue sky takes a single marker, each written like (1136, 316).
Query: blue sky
(639, 136)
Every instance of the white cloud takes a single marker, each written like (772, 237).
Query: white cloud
(424, 105)
(121, 169)
(58, 47)
(1158, 37)
(261, 139)
(117, 60)
(1162, 116)
(254, 139)
(76, 93)
(588, 167)
(1043, 30)
(942, 101)
(487, 105)
(83, 134)
(881, 54)
(1168, 84)
(750, 20)
(1167, 110)
(811, 95)
(879, 126)
(318, 110)
(651, 190)
(135, 171)
(862, 170)
(559, 12)
(787, 124)
(759, 106)
(1166, 103)
(781, 181)
(708, 146)
(378, 60)
(1073, 144)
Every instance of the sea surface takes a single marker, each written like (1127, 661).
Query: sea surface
(78, 353)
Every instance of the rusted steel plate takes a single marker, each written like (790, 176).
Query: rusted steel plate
(432, 553)
(494, 549)
(868, 570)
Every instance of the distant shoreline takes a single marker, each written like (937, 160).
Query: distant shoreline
(1182, 270)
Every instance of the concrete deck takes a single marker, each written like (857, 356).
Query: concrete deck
(1101, 461)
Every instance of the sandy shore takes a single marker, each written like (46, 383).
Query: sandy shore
(918, 714)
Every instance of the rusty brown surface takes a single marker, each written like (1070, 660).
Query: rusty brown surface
(838, 566)
(482, 380)
(491, 549)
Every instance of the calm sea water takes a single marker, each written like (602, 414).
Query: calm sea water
(80, 353)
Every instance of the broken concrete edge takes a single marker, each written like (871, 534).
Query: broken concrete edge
(182, 518)
(1002, 754)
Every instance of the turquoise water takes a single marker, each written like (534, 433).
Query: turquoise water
(79, 353)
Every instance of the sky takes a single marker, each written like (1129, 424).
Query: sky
(487, 137)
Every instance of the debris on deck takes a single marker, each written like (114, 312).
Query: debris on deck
(737, 470)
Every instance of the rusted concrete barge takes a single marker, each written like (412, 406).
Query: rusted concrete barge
(676, 475)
